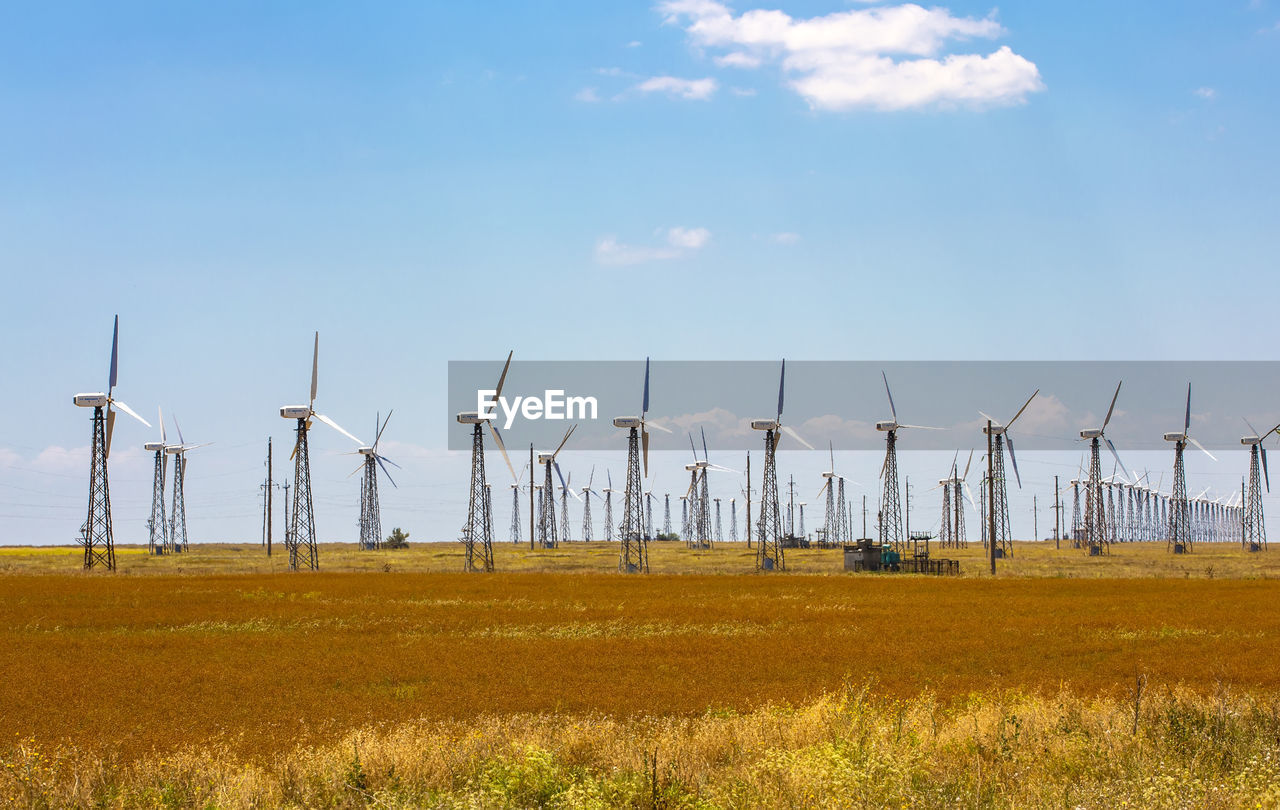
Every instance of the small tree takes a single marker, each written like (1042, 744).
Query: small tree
(397, 539)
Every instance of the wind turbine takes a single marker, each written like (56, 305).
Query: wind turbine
(370, 503)
(1253, 528)
(633, 556)
(1000, 509)
(547, 507)
(515, 505)
(1180, 529)
(1095, 517)
(588, 531)
(479, 525)
(891, 504)
(178, 515)
(608, 507)
(157, 524)
(769, 555)
(301, 538)
(566, 489)
(99, 547)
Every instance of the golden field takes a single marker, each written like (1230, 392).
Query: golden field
(220, 678)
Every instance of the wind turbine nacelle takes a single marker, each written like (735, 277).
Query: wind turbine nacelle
(470, 418)
(1247, 440)
(885, 427)
(295, 412)
(91, 400)
(154, 447)
(996, 430)
(546, 458)
(365, 451)
(690, 467)
(173, 449)
(1091, 433)
(626, 422)
(828, 475)
(944, 482)
(1175, 437)
(764, 424)
(702, 465)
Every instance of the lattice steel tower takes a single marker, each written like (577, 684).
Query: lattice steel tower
(157, 524)
(1182, 531)
(890, 500)
(1253, 530)
(548, 536)
(769, 553)
(633, 556)
(300, 538)
(477, 532)
(370, 502)
(1096, 536)
(95, 534)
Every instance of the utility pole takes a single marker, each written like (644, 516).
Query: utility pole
(748, 499)
(1057, 515)
(991, 499)
(286, 512)
(268, 496)
(1035, 519)
(532, 520)
(906, 507)
(864, 515)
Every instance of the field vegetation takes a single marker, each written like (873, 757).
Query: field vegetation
(392, 679)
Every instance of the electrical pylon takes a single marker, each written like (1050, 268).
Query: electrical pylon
(95, 534)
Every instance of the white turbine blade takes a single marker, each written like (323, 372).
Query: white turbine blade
(337, 427)
(718, 468)
(160, 412)
(921, 427)
(892, 409)
(129, 411)
(1114, 397)
(111, 425)
(497, 439)
(657, 426)
(969, 494)
(567, 434)
(315, 369)
(1020, 410)
(1112, 448)
(825, 484)
(1201, 446)
(356, 470)
(791, 432)
(989, 418)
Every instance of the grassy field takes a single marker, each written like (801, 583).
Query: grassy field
(215, 676)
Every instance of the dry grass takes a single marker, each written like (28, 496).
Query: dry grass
(1172, 749)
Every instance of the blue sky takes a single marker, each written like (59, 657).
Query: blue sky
(424, 182)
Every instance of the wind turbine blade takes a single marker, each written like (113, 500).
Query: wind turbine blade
(115, 346)
(969, 494)
(111, 425)
(179, 427)
(1252, 429)
(609, 476)
(164, 469)
(831, 450)
(1112, 448)
(1008, 440)
(644, 405)
(1201, 446)
(160, 413)
(591, 477)
(705, 456)
(644, 444)
(791, 432)
(315, 369)
(129, 411)
(782, 379)
(1107, 421)
(657, 426)
(718, 468)
(692, 483)
(692, 448)
(1020, 410)
(357, 469)
(502, 379)
(567, 434)
(389, 461)
(884, 464)
(989, 418)
(825, 484)
(921, 427)
(337, 427)
(497, 440)
(378, 437)
(1265, 475)
(967, 463)
(892, 409)
(386, 472)
(1186, 425)
(559, 474)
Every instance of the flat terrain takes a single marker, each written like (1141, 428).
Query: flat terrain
(222, 645)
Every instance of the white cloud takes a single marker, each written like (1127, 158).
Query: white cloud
(635, 43)
(785, 238)
(887, 57)
(1206, 93)
(691, 89)
(743, 91)
(691, 238)
(679, 241)
(738, 59)
(586, 95)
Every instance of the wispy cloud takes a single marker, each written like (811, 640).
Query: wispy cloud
(785, 238)
(676, 242)
(1206, 93)
(586, 95)
(690, 89)
(886, 57)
